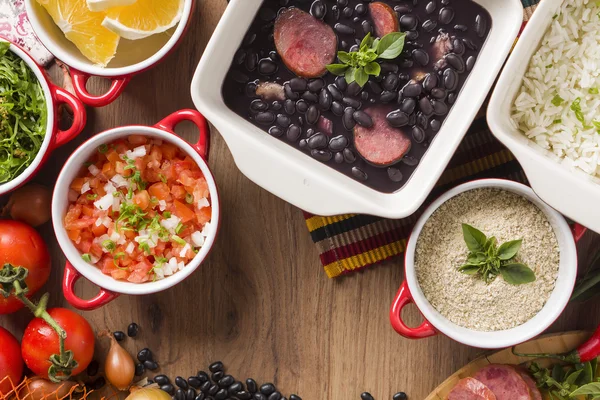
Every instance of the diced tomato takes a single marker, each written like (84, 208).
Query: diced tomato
(137, 140)
(184, 212)
(181, 166)
(203, 215)
(77, 184)
(96, 250)
(99, 230)
(142, 199)
(178, 192)
(119, 274)
(156, 154)
(85, 245)
(169, 151)
(87, 210)
(74, 234)
(159, 190)
(113, 157)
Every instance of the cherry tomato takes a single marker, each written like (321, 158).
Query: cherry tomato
(11, 363)
(21, 245)
(40, 341)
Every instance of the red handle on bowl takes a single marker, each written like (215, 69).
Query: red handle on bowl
(169, 123)
(79, 116)
(578, 232)
(70, 278)
(79, 84)
(402, 299)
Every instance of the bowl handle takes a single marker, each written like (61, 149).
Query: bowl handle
(70, 278)
(578, 231)
(168, 124)
(402, 299)
(80, 81)
(79, 116)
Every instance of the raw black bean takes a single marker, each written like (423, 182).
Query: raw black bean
(470, 62)
(251, 385)
(335, 11)
(239, 57)
(276, 105)
(267, 14)
(421, 57)
(337, 108)
(289, 106)
(316, 85)
(213, 389)
(425, 106)
(298, 84)
(200, 396)
(265, 118)
(348, 119)
(318, 141)
(350, 102)
(258, 105)
(321, 155)
(362, 118)
(203, 376)
(162, 379)
(389, 67)
(349, 157)
(430, 81)
(406, 63)
(460, 27)
(412, 119)
(217, 376)
(480, 25)
(194, 382)
(226, 381)
(273, 55)
(119, 336)
(190, 394)
(445, 2)
(310, 97)
(397, 118)
(408, 106)
(250, 89)
(251, 61)
(341, 83)
(456, 62)
(243, 395)
(234, 388)
(249, 39)
(266, 66)
(293, 133)
(360, 9)
(387, 97)
(275, 131)
(438, 93)
(259, 396)
(133, 329)
(335, 92)
(92, 369)
(310, 132)
(423, 119)
(353, 48)
(325, 100)
(338, 143)
(429, 25)
(347, 12)
(418, 134)
(275, 396)
(458, 46)
(403, 9)
(395, 175)
(343, 29)
(446, 15)
(439, 107)
(151, 365)
(312, 115)
(412, 90)
(205, 386)
(318, 9)
(435, 125)
(139, 369)
(408, 22)
(400, 396)
(301, 106)
(338, 158)
(375, 87)
(295, 397)
(283, 120)
(342, 3)
(168, 388)
(144, 354)
(289, 93)
(430, 7)
(366, 27)
(451, 98)
(179, 394)
(353, 89)
(450, 79)
(221, 394)
(410, 161)
(412, 35)
(359, 174)
(470, 44)
(390, 82)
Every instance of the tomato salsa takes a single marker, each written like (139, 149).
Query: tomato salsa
(139, 210)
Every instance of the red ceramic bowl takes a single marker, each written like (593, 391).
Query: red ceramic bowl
(133, 56)
(55, 137)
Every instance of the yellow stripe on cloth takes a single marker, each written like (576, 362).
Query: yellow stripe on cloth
(317, 222)
(371, 257)
(476, 166)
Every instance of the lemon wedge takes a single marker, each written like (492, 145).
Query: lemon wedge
(84, 29)
(102, 5)
(144, 18)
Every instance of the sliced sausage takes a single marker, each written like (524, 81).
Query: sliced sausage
(306, 45)
(471, 389)
(533, 389)
(504, 381)
(381, 144)
(384, 18)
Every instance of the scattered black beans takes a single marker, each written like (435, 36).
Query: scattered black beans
(182, 383)
(139, 369)
(456, 62)
(366, 396)
(266, 66)
(359, 173)
(144, 355)
(397, 118)
(421, 57)
(251, 385)
(205, 386)
(259, 396)
(470, 63)
(133, 329)
(162, 379)
(430, 7)
(213, 389)
(343, 29)
(348, 119)
(274, 396)
(446, 15)
(400, 396)
(362, 118)
(151, 365)
(167, 387)
(92, 369)
(243, 395)
(353, 89)
(226, 381)
(217, 376)
(318, 9)
(267, 389)
(179, 394)
(394, 174)
(119, 336)
(480, 26)
(408, 22)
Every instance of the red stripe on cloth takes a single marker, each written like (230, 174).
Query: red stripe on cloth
(358, 247)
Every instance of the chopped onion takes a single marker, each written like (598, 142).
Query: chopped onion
(85, 187)
(185, 249)
(109, 188)
(119, 180)
(170, 223)
(206, 229)
(130, 248)
(105, 202)
(136, 153)
(162, 205)
(198, 238)
(202, 203)
(93, 170)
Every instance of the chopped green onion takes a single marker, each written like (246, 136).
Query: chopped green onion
(557, 100)
(557, 121)
(167, 214)
(593, 90)
(162, 178)
(145, 247)
(178, 228)
(92, 196)
(109, 245)
(103, 148)
(86, 257)
(179, 240)
(189, 198)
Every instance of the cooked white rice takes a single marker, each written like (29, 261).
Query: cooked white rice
(558, 106)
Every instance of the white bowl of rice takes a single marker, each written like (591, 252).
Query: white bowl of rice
(544, 106)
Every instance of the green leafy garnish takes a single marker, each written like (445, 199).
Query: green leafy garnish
(23, 115)
(86, 257)
(167, 214)
(557, 100)
(357, 66)
(145, 247)
(91, 196)
(109, 245)
(557, 121)
(189, 198)
(593, 90)
(179, 240)
(103, 148)
(567, 382)
(488, 260)
(576, 108)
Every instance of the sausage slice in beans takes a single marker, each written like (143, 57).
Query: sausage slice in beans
(384, 18)
(306, 45)
(381, 144)
(535, 392)
(504, 381)
(471, 389)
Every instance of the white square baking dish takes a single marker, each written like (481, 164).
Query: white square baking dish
(310, 185)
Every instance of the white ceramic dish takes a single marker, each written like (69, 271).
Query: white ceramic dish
(310, 185)
(76, 267)
(133, 56)
(434, 322)
(573, 193)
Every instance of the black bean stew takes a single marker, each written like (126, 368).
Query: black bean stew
(375, 134)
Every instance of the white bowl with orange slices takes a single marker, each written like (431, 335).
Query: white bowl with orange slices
(116, 41)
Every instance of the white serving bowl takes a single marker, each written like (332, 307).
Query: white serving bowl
(410, 291)
(572, 192)
(76, 267)
(309, 184)
(133, 56)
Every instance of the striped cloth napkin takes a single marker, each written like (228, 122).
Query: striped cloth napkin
(349, 243)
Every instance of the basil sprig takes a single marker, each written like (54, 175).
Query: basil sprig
(567, 383)
(356, 66)
(488, 260)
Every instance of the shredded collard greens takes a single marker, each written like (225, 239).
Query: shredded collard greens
(23, 115)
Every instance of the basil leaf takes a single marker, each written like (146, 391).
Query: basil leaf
(490, 245)
(573, 377)
(476, 258)
(337, 69)
(474, 238)
(373, 68)
(517, 274)
(370, 55)
(391, 45)
(375, 44)
(367, 41)
(508, 250)
(469, 269)
(349, 75)
(344, 57)
(558, 373)
(361, 77)
(591, 389)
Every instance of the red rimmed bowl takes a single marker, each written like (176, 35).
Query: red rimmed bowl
(54, 137)
(76, 267)
(435, 323)
(133, 56)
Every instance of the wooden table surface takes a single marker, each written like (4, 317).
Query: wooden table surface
(261, 302)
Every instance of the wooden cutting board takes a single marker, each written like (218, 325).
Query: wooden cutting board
(553, 343)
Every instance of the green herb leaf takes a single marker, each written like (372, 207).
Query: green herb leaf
(474, 238)
(476, 258)
(337, 69)
(367, 42)
(517, 274)
(508, 250)
(591, 389)
(469, 269)
(557, 100)
(344, 57)
(360, 76)
(391, 45)
(350, 75)
(373, 68)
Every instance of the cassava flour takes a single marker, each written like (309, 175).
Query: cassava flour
(467, 300)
